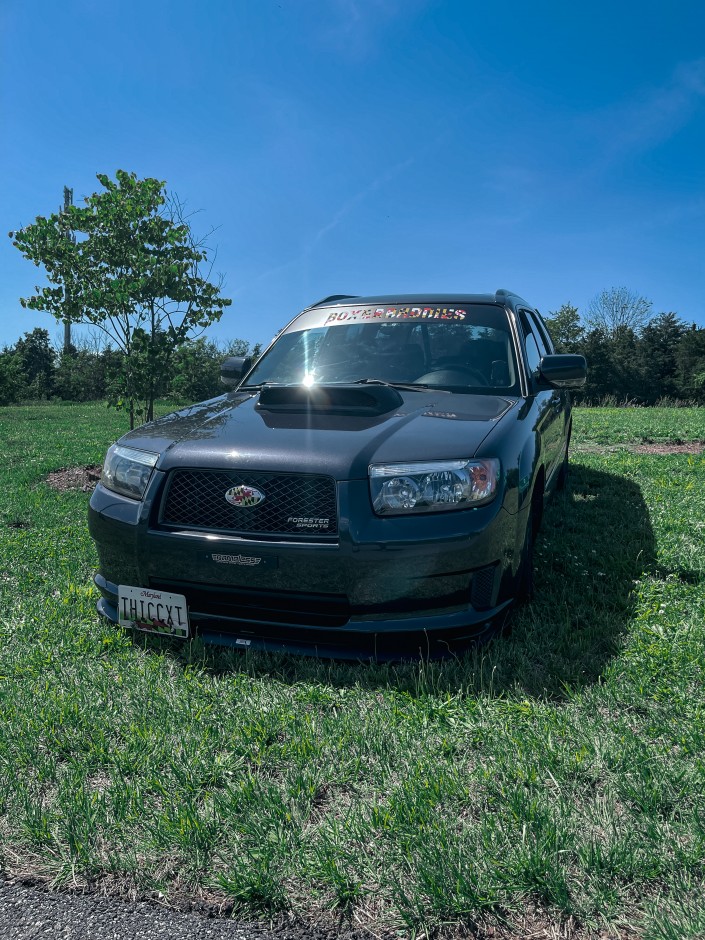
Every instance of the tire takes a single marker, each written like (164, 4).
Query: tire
(562, 477)
(525, 588)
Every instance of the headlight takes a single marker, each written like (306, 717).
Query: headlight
(127, 471)
(434, 486)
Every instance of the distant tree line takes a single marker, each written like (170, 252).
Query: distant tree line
(128, 265)
(90, 370)
(633, 357)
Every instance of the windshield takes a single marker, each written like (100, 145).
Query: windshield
(468, 349)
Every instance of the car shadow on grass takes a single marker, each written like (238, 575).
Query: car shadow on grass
(596, 542)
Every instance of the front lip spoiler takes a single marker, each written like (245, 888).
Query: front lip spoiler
(377, 647)
(432, 637)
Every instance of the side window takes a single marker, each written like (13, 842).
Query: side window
(541, 331)
(533, 353)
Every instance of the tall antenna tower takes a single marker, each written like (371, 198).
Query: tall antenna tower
(68, 201)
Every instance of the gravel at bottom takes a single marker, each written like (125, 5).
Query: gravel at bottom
(28, 913)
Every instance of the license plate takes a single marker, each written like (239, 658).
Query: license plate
(153, 611)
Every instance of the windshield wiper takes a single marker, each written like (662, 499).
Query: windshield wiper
(408, 386)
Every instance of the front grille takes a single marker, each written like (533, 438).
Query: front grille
(281, 607)
(302, 507)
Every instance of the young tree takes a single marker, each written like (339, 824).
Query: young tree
(134, 270)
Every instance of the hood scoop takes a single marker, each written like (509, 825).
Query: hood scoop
(364, 401)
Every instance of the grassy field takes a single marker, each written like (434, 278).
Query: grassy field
(554, 780)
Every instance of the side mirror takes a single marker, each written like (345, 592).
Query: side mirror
(233, 368)
(563, 371)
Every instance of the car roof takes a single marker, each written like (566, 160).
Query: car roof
(504, 297)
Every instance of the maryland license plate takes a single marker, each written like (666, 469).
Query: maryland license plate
(153, 611)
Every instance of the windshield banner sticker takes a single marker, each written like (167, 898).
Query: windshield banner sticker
(353, 315)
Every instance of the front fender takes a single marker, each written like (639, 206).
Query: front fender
(516, 440)
(529, 460)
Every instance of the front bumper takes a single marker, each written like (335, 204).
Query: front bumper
(390, 587)
(382, 640)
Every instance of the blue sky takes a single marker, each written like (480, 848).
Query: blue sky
(373, 146)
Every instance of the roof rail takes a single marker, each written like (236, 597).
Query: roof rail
(327, 300)
(509, 293)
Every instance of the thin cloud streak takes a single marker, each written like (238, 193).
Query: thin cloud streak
(610, 136)
(355, 200)
(639, 126)
(356, 25)
(349, 206)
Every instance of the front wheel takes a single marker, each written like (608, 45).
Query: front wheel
(562, 477)
(525, 589)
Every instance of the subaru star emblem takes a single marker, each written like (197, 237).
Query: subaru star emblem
(244, 496)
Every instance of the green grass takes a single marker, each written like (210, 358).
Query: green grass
(555, 778)
(638, 425)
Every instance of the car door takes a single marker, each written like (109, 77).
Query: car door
(562, 395)
(550, 402)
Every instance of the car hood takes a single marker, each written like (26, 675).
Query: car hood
(235, 431)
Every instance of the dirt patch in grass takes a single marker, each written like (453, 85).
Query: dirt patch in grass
(74, 478)
(646, 447)
(669, 447)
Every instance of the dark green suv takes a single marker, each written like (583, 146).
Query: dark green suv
(371, 487)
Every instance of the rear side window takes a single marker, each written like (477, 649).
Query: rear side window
(531, 343)
(541, 331)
